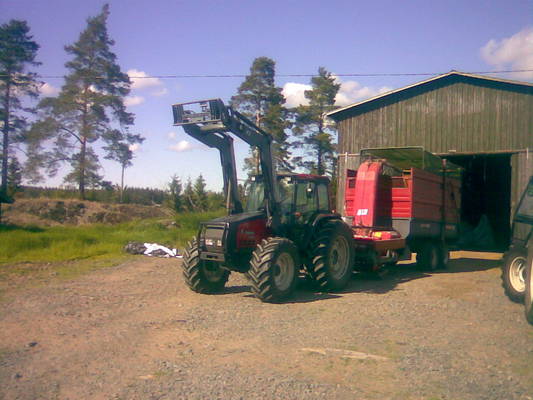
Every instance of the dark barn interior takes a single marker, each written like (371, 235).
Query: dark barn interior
(486, 190)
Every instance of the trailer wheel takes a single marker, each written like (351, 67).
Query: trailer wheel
(332, 256)
(202, 276)
(274, 269)
(444, 256)
(513, 274)
(528, 300)
(428, 256)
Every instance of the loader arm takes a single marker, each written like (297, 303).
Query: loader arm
(224, 144)
(211, 125)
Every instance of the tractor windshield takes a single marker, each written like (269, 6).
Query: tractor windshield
(256, 194)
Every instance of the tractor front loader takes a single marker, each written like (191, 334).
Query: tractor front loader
(286, 225)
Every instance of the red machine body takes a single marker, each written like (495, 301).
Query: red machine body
(394, 211)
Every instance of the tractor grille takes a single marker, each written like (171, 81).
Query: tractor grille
(214, 238)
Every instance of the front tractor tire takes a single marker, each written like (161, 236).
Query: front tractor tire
(274, 269)
(513, 274)
(202, 276)
(332, 256)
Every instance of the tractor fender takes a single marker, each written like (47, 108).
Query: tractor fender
(316, 224)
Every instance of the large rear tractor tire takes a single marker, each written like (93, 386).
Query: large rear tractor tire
(274, 269)
(428, 256)
(332, 256)
(202, 276)
(528, 298)
(513, 274)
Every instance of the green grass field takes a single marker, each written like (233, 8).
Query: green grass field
(66, 243)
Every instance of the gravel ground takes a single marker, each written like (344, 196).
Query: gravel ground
(136, 332)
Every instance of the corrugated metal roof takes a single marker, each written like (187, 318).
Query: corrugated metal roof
(335, 114)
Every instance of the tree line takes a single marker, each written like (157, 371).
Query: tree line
(89, 109)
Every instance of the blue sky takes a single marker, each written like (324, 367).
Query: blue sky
(195, 37)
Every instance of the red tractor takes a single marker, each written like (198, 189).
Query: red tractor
(286, 224)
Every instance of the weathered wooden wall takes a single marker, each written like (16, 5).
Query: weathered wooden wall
(453, 114)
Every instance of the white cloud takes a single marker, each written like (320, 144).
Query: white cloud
(182, 146)
(349, 92)
(171, 135)
(140, 80)
(294, 94)
(352, 92)
(160, 92)
(515, 52)
(48, 90)
(134, 147)
(133, 101)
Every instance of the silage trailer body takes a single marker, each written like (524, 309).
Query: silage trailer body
(403, 200)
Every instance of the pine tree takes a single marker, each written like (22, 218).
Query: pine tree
(17, 53)
(189, 196)
(310, 126)
(90, 104)
(200, 193)
(175, 189)
(118, 148)
(14, 176)
(261, 100)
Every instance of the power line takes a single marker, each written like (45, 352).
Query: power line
(349, 75)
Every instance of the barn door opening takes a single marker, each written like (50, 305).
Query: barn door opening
(486, 200)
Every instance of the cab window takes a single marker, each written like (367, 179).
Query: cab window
(305, 197)
(323, 198)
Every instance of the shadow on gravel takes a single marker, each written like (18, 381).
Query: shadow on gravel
(386, 281)
(368, 283)
(235, 289)
(471, 265)
(306, 291)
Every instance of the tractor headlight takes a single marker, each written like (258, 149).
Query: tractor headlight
(213, 242)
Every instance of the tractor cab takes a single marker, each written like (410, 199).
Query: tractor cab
(302, 197)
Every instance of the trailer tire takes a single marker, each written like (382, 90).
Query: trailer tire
(274, 269)
(444, 256)
(202, 276)
(528, 298)
(428, 256)
(332, 256)
(513, 274)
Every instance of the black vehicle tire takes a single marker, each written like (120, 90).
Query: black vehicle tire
(202, 276)
(332, 261)
(428, 256)
(528, 298)
(274, 269)
(513, 274)
(444, 256)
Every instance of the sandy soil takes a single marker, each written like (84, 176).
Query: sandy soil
(135, 331)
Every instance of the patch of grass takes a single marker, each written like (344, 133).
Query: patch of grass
(66, 243)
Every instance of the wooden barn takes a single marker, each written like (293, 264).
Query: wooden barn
(483, 124)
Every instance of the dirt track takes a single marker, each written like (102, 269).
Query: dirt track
(136, 332)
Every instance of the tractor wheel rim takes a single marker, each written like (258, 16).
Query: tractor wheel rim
(339, 256)
(283, 271)
(213, 272)
(517, 273)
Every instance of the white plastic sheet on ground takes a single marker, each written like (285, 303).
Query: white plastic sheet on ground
(157, 250)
